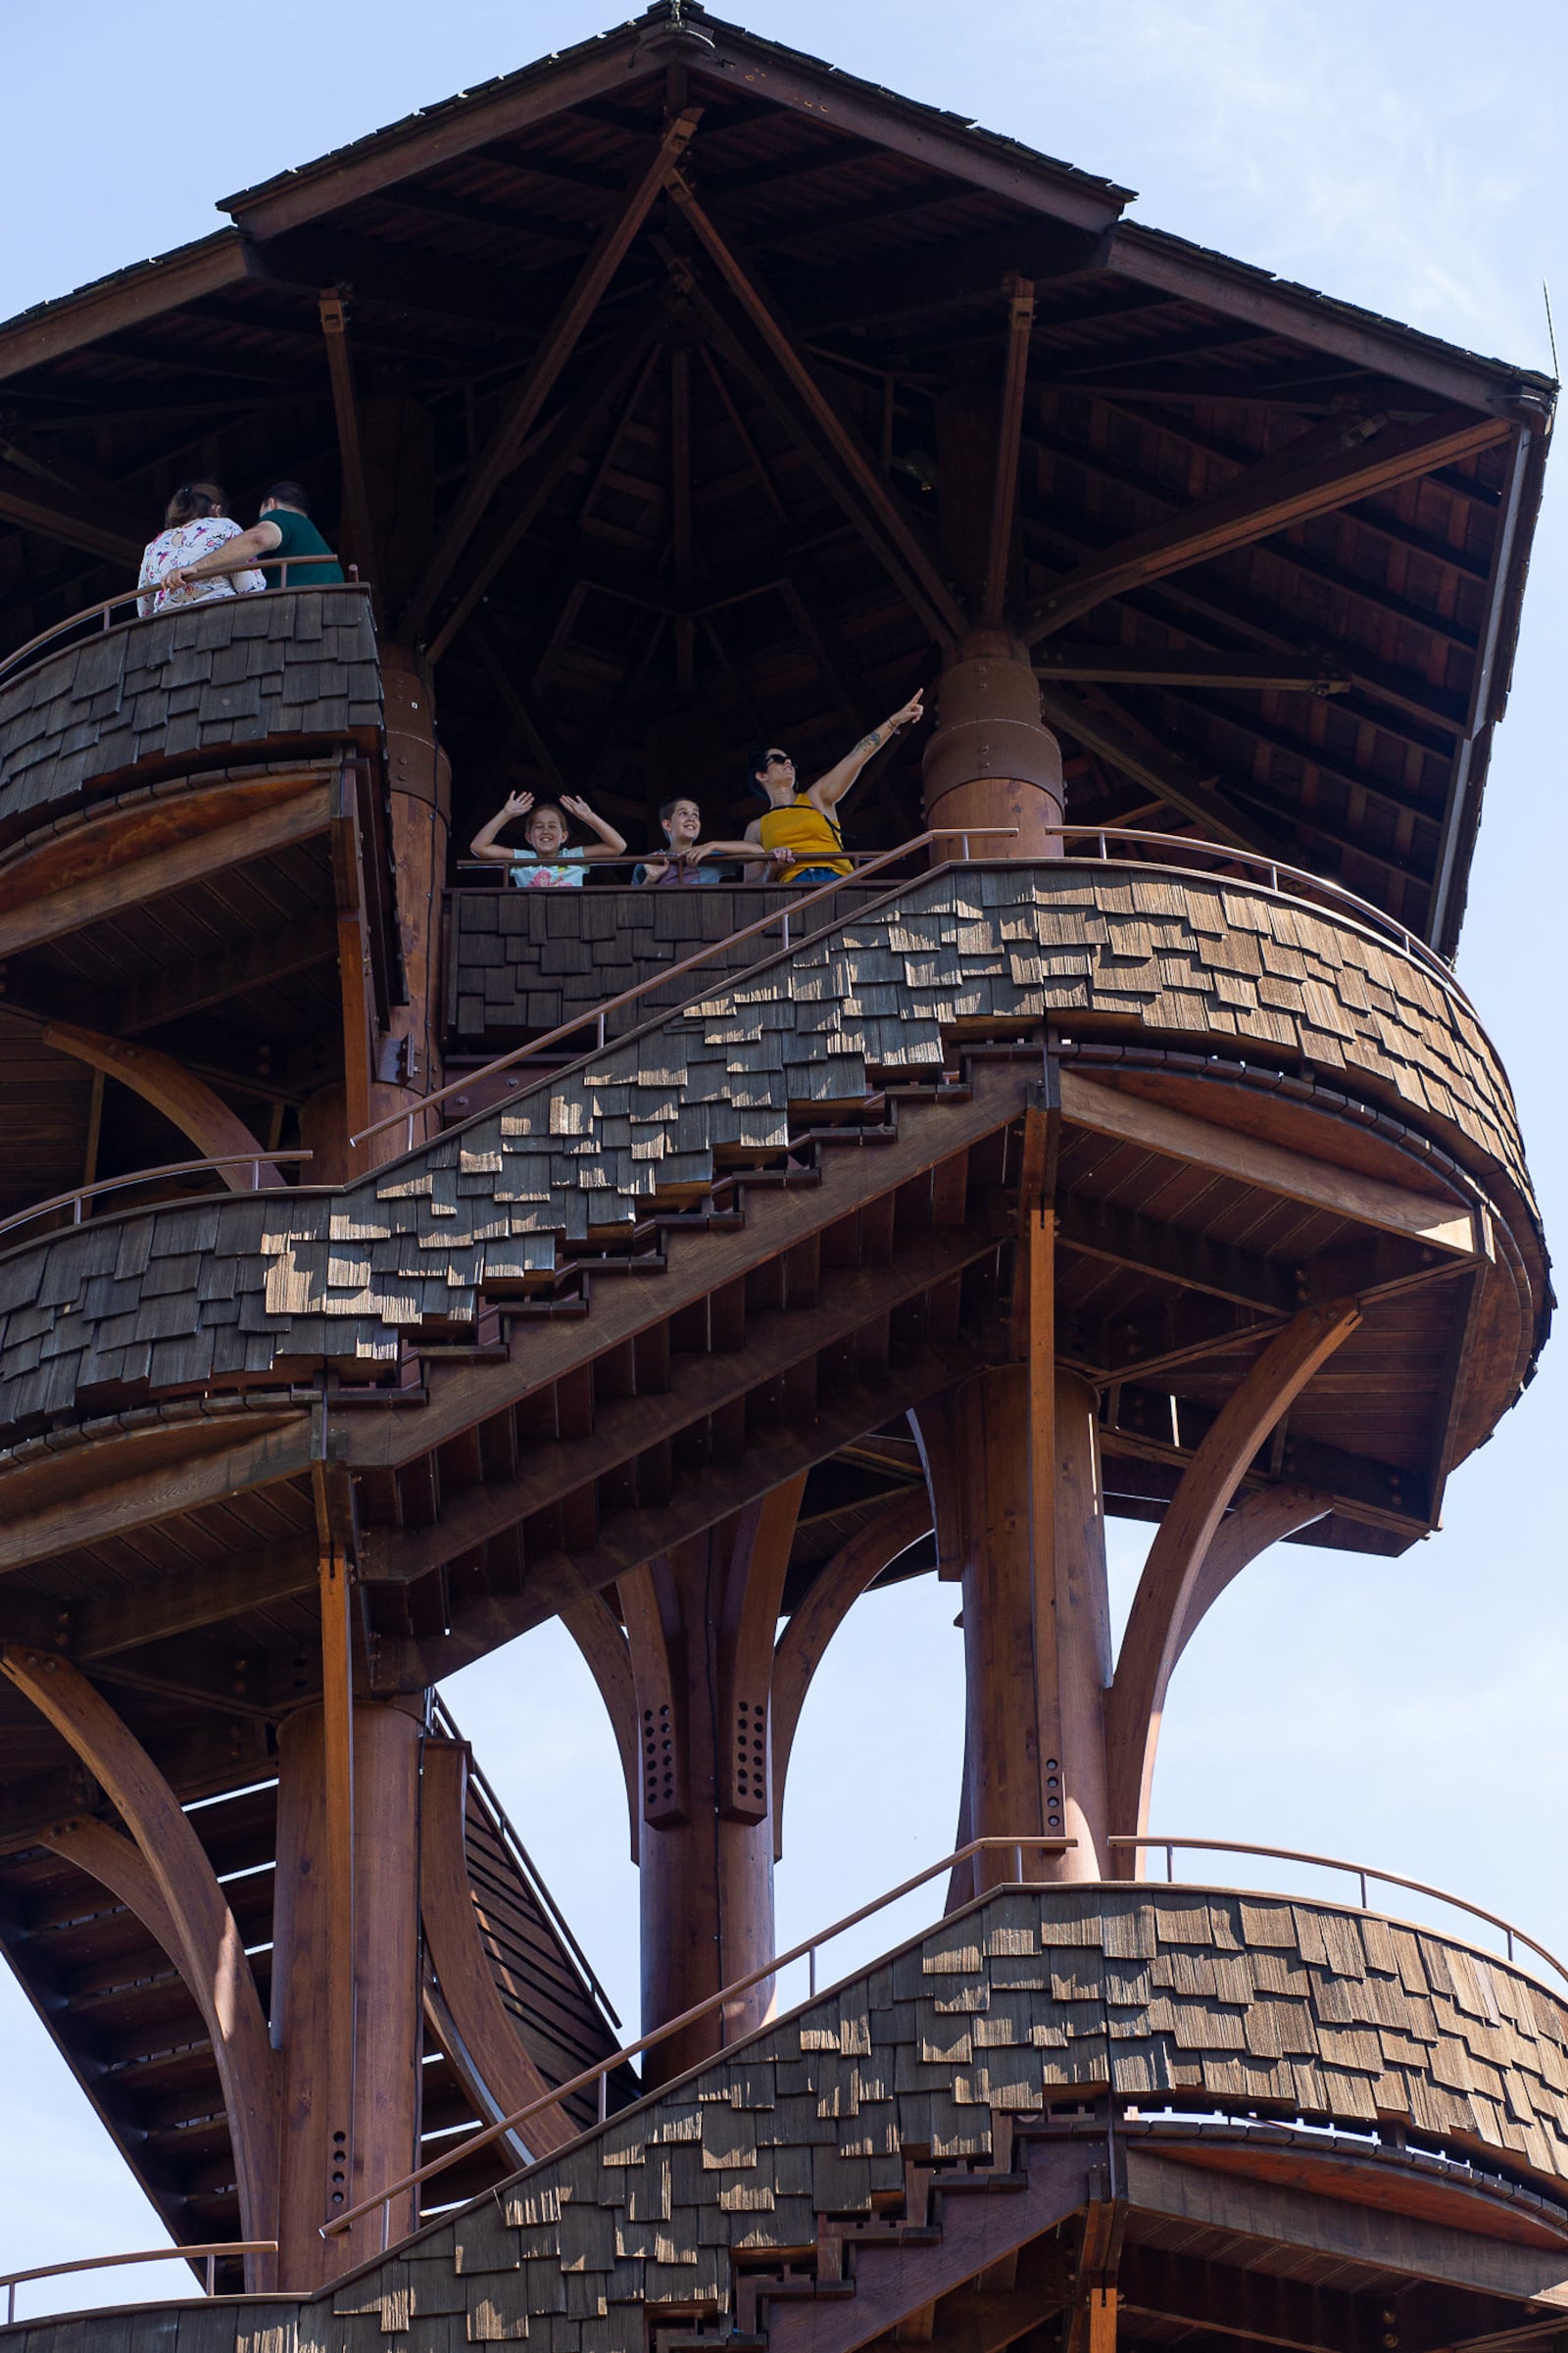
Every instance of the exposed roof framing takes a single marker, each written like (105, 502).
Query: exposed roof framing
(1271, 545)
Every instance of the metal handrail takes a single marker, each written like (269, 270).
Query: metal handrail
(601, 2072)
(1360, 1871)
(11, 664)
(603, 2068)
(12, 2280)
(257, 1160)
(663, 978)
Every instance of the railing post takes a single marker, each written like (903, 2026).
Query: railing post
(11, 2303)
(604, 2096)
(810, 1974)
(212, 2274)
(1018, 1861)
(1170, 1865)
(1362, 1876)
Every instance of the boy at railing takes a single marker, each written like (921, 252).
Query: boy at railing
(685, 858)
(551, 861)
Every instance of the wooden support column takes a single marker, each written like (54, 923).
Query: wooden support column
(410, 1063)
(357, 535)
(992, 761)
(689, 1687)
(348, 2129)
(203, 1939)
(1013, 1460)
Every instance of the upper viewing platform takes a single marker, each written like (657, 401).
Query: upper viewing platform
(122, 701)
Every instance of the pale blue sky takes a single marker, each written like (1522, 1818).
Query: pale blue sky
(1404, 154)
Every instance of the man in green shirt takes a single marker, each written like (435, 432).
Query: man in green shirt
(283, 534)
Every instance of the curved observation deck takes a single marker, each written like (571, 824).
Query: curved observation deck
(1167, 995)
(1270, 2085)
(112, 700)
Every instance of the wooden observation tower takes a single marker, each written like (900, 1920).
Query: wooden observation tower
(391, 1262)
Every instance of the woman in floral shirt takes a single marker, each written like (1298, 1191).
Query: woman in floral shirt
(195, 524)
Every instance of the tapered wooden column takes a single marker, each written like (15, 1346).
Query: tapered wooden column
(685, 1666)
(1013, 1465)
(421, 777)
(350, 2116)
(991, 761)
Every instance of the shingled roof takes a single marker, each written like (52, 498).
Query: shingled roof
(693, 571)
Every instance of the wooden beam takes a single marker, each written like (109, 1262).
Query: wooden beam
(117, 1863)
(834, 1590)
(1265, 1517)
(1136, 1701)
(700, 1385)
(48, 1508)
(595, 1629)
(1009, 424)
(50, 512)
(358, 527)
(1345, 1192)
(205, 1927)
(903, 285)
(754, 1596)
(929, 1134)
(1379, 1495)
(704, 1495)
(501, 451)
(490, 2057)
(891, 2283)
(127, 300)
(139, 878)
(869, 493)
(207, 980)
(1149, 759)
(188, 1599)
(194, 1107)
(1331, 466)
(1149, 1246)
(1185, 665)
(354, 974)
(609, 388)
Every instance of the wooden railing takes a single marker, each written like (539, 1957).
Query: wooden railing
(598, 2073)
(217, 2249)
(75, 1202)
(39, 649)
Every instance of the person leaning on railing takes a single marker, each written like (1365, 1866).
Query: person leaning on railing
(195, 526)
(685, 859)
(551, 861)
(803, 823)
(283, 532)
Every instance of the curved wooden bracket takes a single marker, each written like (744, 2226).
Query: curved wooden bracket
(1162, 1616)
(193, 1106)
(472, 2020)
(117, 1864)
(598, 1633)
(199, 1920)
(838, 1586)
(1257, 1521)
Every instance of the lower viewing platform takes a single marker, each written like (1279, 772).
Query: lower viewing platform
(1284, 2119)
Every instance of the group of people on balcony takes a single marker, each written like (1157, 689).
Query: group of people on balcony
(201, 552)
(796, 838)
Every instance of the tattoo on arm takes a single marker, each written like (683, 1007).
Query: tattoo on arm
(872, 742)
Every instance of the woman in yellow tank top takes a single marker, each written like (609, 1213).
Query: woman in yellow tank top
(803, 823)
